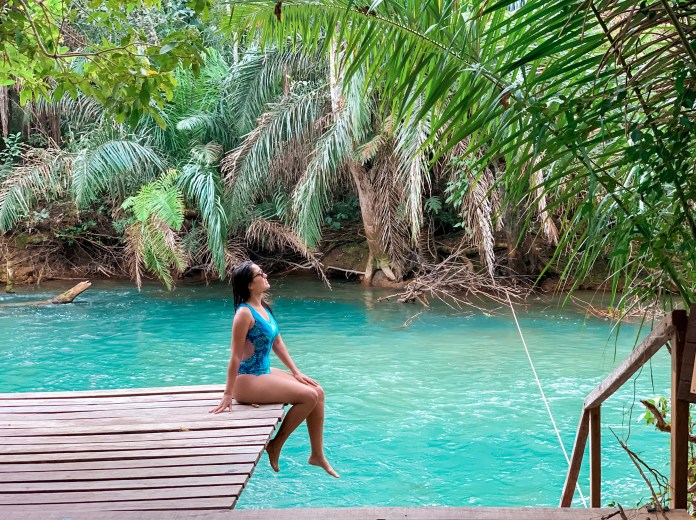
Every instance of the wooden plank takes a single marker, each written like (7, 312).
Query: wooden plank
(122, 404)
(245, 454)
(687, 382)
(229, 434)
(679, 436)
(170, 426)
(595, 458)
(119, 392)
(360, 513)
(144, 445)
(252, 413)
(126, 473)
(640, 355)
(121, 484)
(228, 490)
(98, 401)
(93, 465)
(136, 450)
(69, 412)
(166, 507)
(576, 460)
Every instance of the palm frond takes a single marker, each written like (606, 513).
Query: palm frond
(202, 184)
(277, 237)
(152, 240)
(352, 124)
(259, 78)
(246, 169)
(40, 176)
(411, 137)
(113, 165)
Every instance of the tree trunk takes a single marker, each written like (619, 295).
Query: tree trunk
(66, 297)
(5, 111)
(69, 295)
(522, 258)
(378, 258)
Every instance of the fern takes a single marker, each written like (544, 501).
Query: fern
(152, 241)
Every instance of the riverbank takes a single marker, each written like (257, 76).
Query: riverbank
(42, 255)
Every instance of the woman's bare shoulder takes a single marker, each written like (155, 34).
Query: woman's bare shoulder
(243, 314)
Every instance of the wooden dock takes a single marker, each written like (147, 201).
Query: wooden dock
(150, 449)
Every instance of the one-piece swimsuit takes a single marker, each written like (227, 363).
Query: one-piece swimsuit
(261, 336)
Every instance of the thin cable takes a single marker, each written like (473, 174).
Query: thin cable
(543, 396)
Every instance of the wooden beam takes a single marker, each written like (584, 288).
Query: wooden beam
(679, 466)
(576, 460)
(687, 381)
(640, 355)
(595, 458)
(121, 392)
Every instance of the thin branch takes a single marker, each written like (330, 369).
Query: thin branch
(636, 460)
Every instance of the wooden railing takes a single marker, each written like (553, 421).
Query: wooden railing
(678, 331)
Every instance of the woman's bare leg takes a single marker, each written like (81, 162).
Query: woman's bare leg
(315, 427)
(270, 388)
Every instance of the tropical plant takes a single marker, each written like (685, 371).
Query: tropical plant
(311, 139)
(586, 104)
(153, 241)
(92, 47)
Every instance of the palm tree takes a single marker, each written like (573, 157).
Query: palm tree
(588, 105)
(307, 141)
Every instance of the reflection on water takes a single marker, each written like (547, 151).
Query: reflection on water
(444, 411)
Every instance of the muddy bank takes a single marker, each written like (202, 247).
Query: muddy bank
(33, 258)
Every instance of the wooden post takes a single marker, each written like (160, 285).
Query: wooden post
(679, 466)
(575, 460)
(595, 458)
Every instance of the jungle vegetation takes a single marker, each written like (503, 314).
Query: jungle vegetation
(567, 123)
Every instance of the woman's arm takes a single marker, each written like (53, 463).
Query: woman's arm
(282, 352)
(240, 326)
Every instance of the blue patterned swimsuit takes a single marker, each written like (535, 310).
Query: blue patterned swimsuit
(261, 336)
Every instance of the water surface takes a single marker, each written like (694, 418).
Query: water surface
(443, 412)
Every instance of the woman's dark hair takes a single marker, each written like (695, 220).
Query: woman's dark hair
(242, 276)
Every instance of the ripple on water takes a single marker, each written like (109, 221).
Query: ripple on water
(443, 412)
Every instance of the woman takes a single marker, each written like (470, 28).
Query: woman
(250, 378)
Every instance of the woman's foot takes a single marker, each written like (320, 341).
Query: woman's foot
(323, 463)
(273, 455)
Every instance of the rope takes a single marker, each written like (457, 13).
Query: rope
(543, 396)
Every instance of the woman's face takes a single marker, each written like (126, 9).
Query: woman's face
(259, 283)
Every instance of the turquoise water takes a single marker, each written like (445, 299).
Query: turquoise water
(442, 412)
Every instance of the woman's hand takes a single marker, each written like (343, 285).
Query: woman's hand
(305, 380)
(225, 403)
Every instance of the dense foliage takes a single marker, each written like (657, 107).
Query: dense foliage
(103, 49)
(569, 119)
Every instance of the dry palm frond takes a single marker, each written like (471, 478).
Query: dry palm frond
(172, 241)
(133, 252)
(276, 236)
(478, 208)
(550, 229)
(367, 151)
(290, 163)
(235, 254)
(389, 206)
